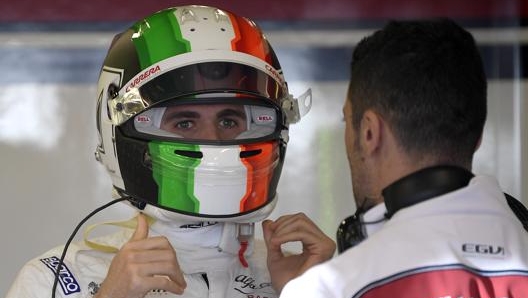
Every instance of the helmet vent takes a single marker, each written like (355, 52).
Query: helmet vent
(250, 153)
(191, 154)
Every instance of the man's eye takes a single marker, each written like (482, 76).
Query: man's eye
(183, 124)
(228, 123)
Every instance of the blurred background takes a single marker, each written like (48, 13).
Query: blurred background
(51, 52)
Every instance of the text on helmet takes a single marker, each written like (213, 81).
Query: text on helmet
(146, 74)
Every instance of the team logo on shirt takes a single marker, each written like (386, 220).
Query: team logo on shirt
(483, 250)
(250, 287)
(66, 280)
(199, 225)
(93, 288)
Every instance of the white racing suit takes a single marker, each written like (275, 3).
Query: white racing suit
(208, 254)
(463, 244)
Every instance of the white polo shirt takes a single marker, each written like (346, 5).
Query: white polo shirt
(463, 244)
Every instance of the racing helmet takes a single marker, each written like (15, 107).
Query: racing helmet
(164, 75)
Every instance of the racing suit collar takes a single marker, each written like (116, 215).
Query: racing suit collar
(202, 247)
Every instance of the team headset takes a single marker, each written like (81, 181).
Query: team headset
(418, 187)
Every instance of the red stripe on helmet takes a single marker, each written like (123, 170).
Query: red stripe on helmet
(259, 174)
(249, 39)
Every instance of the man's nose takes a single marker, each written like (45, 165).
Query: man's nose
(209, 133)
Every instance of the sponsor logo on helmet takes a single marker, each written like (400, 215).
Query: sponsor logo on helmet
(275, 74)
(145, 75)
(143, 119)
(66, 280)
(264, 118)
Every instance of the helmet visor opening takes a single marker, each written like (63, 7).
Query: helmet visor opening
(206, 122)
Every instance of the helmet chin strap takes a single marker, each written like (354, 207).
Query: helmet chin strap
(242, 232)
(233, 238)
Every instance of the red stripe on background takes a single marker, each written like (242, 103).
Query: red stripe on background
(121, 10)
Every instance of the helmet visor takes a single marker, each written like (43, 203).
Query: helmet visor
(195, 81)
(208, 122)
(211, 77)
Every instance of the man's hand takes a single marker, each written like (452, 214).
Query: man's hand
(317, 247)
(143, 264)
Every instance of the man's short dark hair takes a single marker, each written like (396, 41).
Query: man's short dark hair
(427, 80)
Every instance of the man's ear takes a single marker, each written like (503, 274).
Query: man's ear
(371, 129)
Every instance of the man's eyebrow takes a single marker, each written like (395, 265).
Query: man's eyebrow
(181, 114)
(231, 112)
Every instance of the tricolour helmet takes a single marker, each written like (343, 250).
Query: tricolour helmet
(186, 58)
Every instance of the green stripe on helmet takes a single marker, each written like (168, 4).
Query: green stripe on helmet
(174, 175)
(155, 45)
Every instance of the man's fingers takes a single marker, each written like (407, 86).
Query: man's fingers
(296, 227)
(169, 270)
(178, 278)
(269, 232)
(166, 283)
(266, 230)
(274, 250)
(142, 227)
